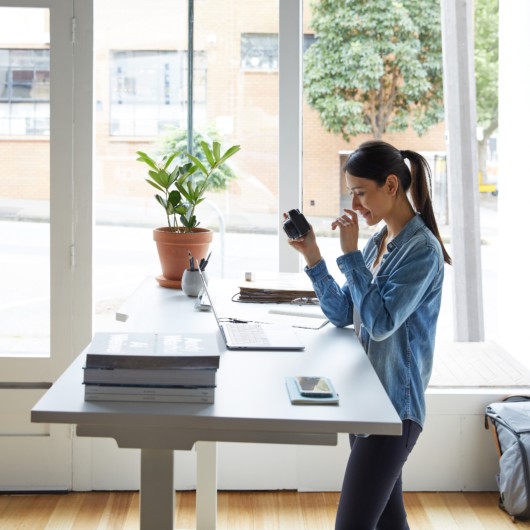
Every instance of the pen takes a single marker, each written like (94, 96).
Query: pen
(191, 261)
(204, 262)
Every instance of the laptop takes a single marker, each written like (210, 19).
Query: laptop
(244, 335)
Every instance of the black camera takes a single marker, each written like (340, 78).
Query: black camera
(296, 225)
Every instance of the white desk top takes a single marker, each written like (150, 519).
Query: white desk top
(251, 402)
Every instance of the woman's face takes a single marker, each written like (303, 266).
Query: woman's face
(371, 201)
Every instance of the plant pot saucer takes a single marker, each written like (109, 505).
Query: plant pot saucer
(171, 284)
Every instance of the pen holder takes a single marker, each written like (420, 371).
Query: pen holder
(191, 282)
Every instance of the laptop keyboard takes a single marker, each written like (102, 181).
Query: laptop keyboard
(247, 334)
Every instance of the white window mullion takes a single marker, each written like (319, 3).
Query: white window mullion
(290, 121)
(83, 155)
(61, 185)
(71, 184)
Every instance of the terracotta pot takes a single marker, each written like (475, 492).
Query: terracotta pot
(173, 250)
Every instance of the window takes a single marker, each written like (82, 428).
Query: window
(259, 51)
(148, 91)
(24, 92)
(309, 39)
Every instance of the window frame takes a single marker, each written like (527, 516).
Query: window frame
(9, 100)
(137, 102)
(71, 182)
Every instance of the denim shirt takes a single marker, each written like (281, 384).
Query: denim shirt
(398, 308)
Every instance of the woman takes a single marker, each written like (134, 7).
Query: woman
(392, 295)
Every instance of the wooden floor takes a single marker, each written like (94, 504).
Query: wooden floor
(245, 511)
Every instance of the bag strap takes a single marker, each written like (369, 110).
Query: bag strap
(493, 433)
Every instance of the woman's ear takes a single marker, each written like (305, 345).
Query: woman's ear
(392, 184)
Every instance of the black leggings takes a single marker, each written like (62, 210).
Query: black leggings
(372, 496)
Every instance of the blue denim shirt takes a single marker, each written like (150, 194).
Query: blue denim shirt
(398, 307)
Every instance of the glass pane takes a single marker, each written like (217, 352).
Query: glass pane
(24, 182)
(242, 87)
(325, 152)
(142, 105)
(259, 51)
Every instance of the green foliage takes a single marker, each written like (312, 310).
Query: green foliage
(184, 186)
(487, 63)
(375, 66)
(177, 140)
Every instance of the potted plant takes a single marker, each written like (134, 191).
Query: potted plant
(181, 189)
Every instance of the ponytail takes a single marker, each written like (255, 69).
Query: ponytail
(421, 193)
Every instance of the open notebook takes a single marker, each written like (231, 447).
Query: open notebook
(241, 335)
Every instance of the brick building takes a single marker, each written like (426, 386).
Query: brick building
(141, 89)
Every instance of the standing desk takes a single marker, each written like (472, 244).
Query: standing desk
(251, 402)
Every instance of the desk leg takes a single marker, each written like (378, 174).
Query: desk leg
(157, 492)
(206, 500)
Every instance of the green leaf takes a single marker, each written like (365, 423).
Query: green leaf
(185, 193)
(170, 159)
(229, 152)
(173, 176)
(162, 178)
(143, 157)
(162, 201)
(187, 169)
(189, 223)
(207, 153)
(181, 180)
(181, 210)
(216, 150)
(170, 210)
(157, 177)
(198, 163)
(154, 184)
(194, 190)
(174, 198)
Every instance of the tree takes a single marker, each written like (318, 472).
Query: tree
(486, 74)
(375, 66)
(177, 140)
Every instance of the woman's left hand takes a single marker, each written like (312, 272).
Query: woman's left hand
(348, 225)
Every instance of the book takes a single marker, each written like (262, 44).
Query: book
(297, 398)
(279, 287)
(186, 377)
(151, 390)
(148, 398)
(150, 393)
(136, 350)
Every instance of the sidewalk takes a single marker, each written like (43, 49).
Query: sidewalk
(141, 213)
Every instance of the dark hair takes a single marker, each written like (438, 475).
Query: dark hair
(375, 160)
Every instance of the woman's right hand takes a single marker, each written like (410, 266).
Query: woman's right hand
(307, 246)
(348, 225)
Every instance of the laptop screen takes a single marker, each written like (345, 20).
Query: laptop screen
(205, 287)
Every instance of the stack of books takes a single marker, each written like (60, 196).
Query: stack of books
(163, 367)
(280, 287)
